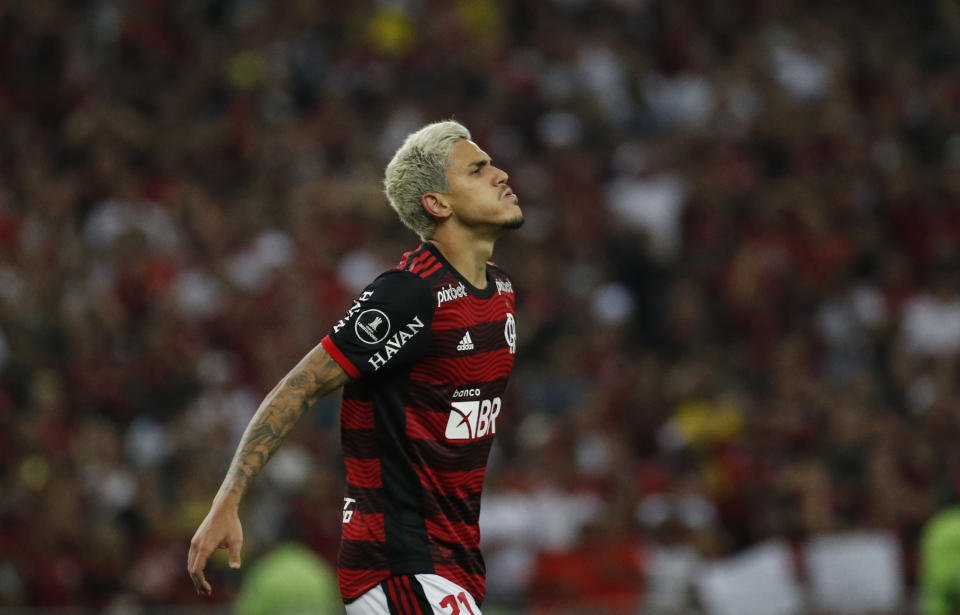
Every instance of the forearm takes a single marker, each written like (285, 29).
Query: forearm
(315, 376)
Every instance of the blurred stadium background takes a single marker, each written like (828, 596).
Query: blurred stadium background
(737, 390)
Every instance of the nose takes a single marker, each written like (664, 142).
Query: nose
(501, 176)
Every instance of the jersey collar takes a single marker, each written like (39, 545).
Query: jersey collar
(479, 293)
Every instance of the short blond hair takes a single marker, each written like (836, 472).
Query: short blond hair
(420, 166)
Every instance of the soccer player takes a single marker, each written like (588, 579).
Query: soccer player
(423, 354)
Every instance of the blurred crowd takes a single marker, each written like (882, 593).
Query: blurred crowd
(738, 282)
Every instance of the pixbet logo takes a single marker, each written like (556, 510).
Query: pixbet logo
(450, 293)
(470, 420)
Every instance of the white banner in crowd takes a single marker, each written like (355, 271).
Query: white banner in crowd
(856, 572)
(759, 581)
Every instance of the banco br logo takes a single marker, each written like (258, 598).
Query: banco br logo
(473, 419)
(372, 326)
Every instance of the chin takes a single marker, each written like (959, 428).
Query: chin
(513, 223)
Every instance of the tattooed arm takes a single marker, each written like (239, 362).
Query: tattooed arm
(314, 376)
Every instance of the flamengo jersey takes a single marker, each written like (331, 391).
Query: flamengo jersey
(429, 355)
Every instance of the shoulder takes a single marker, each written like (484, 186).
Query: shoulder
(421, 262)
(400, 285)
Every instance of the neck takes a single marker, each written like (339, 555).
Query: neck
(469, 258)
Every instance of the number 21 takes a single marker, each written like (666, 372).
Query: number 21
(451, 602)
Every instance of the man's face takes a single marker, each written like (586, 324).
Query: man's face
(479, 194)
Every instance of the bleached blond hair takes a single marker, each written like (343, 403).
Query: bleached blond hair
(420, 166)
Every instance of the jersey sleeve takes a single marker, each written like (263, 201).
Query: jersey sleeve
(386, 327)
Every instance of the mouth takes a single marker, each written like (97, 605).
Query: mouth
(508, 193)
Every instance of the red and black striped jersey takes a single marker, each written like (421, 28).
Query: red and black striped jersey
(429, 356)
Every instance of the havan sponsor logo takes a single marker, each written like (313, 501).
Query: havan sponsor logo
(395, 342)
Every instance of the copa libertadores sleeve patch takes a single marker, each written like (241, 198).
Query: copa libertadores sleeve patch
(388, 325)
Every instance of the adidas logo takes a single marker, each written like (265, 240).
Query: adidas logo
(465, 343)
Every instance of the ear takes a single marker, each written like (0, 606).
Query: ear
(436, 206)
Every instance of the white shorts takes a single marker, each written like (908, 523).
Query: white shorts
(421, 594)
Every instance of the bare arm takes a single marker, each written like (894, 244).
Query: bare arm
(316, 375)
(313, 377)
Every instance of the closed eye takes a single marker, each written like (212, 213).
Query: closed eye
(478, 167)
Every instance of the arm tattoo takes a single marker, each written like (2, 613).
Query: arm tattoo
(316, 375)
